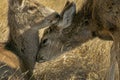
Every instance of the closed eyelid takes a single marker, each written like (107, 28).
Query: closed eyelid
(32, 8)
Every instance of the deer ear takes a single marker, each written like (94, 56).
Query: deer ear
(67, 15)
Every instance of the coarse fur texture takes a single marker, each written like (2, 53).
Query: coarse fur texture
(91, 20)
(9, 65)
(24, 21)
(98, 49)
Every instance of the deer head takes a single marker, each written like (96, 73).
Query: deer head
(26, 12)
(51, 43)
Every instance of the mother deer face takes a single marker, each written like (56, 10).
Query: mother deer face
(28, 12)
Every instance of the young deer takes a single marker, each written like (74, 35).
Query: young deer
(50, 45)
(24, 20)
(9, 65)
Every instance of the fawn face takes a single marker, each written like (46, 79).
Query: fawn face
(51, 44)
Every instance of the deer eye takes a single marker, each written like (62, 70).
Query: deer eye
(32, 8)
(44, 42)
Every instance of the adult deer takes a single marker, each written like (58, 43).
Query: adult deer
(91, 20)
(24, 20)
(107, 21)
(9, 65)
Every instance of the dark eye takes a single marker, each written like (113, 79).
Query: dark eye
(45, 41)
(32, 8)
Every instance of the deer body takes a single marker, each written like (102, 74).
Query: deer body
(24, 20)
(9, 65)
(93, 18)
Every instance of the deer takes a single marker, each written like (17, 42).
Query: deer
(25, 18)
(107, 22)
(91, 20)
(9, 65)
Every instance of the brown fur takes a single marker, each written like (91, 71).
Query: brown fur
(93, 18)
(108, 20)
(9, 65)
(9, 58)
(69, 57)
(24, 20)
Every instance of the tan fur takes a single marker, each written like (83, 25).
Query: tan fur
(25, 17)
(109, 20)
(94, 18)
(9, 58)
(9, 65)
